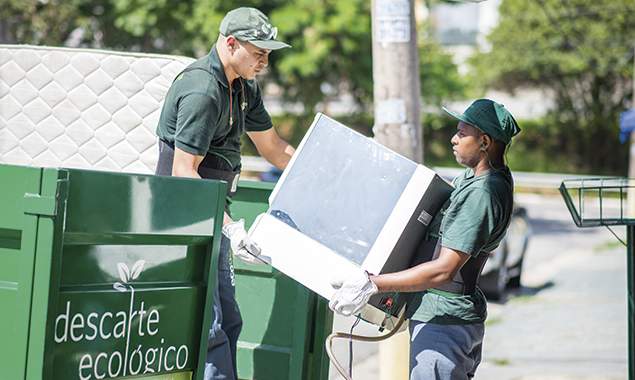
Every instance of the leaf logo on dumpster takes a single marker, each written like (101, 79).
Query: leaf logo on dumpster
(126, 275)
(136, 320)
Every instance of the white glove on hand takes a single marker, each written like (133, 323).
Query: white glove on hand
(351, 295)
(242, 246)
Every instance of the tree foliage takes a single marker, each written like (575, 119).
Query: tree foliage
(331, 50)
(38, 22)
(439, 76)
(580, 51)
(331, 39)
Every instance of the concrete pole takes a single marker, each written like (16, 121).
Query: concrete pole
(630, 252)
(396, 78)
(631, 162)
(394, 355)
(397, 103)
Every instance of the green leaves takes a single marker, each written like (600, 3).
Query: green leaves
(38, 22)
(580, 51)
(331, 40)
(331, 50)
(440, 78)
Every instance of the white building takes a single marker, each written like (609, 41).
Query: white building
(462, 28)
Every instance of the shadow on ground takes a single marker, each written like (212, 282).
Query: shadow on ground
(522, 292)
(540, 226)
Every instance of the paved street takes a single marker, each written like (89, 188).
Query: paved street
(567, 322)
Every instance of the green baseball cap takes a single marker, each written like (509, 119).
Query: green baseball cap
(249, 24)
(491, 118)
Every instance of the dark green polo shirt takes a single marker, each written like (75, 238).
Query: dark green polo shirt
(474, 221)
(196, 113)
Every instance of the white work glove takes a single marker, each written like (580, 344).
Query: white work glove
(352, 294)
(242, 246)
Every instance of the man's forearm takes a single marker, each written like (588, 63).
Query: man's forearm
(423, 276)
(185, 172)
(418, 278)
(272, 147)
(185, 164)
(226, 218)
(280, 155)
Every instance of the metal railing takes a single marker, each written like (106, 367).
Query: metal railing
(541, 181)
(589, 202)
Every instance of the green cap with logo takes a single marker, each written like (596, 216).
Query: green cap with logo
(249, 24)
(490, 117)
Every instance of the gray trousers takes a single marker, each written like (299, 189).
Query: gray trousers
(444, 352)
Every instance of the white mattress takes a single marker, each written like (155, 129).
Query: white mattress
(82, 108)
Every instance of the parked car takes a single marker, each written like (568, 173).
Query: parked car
(503, 269)
(271, 175)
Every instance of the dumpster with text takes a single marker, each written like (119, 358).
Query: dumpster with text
(105, 275)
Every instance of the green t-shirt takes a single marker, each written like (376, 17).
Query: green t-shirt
(473, 221)
(196, 113)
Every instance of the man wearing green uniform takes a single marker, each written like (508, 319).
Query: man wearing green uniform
(448, 309)
(206, 111)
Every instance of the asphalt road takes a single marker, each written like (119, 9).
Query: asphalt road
(568, 321)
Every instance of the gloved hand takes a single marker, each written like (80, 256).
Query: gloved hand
(242, 246)
(352, 294)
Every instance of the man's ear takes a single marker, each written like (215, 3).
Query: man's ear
(231, 43)
(486, 142)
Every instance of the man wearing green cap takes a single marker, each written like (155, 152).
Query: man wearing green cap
(447, 310)
(207, 109)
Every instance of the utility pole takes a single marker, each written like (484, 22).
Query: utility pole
(630, 251)
(630, 200)
(396, 78)
(397, 103)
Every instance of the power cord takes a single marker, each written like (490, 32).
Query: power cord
(329, 344)
(350, 348)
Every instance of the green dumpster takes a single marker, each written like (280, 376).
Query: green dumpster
(105, 275)
(284, 323)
